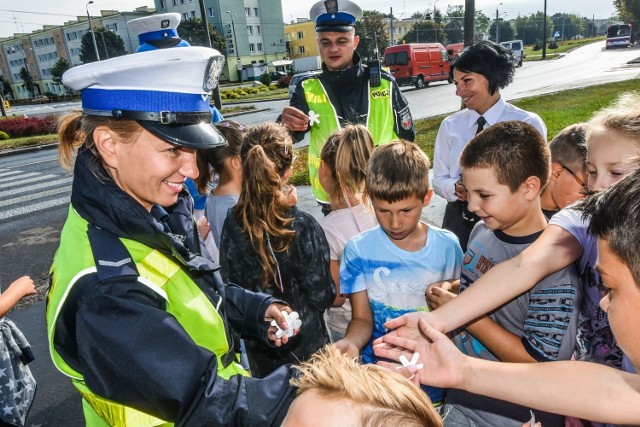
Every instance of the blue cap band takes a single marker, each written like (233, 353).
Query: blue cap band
(143, 100)
(155, 35)
(340, 18)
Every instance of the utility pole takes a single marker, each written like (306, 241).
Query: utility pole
(207, 42)
(391, 24)
(469, 21)
(93, 35)
(435, 24)
(544, 31)
(498, 24)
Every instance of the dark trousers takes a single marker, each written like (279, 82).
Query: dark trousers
(455, 222)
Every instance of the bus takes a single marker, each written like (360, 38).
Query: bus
(618, 35)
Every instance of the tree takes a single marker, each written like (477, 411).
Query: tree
(191, 30)
(531, 29)
(481, 27)
(27, 81)
(371, 30)
(7, 91)
(629, 11)
(505, 30)
(454, 26)
(424, 31)
(568, 25)
(58, 69)
(109, 45)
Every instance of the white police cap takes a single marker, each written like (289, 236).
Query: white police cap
(166, 91)
(335, 15)
(157, 31)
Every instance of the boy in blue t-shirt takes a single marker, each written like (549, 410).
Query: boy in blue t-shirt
(504, 168)
(386, 270)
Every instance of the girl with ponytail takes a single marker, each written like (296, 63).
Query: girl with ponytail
(269, 246)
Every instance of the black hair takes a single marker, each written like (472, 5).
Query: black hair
(490, 59)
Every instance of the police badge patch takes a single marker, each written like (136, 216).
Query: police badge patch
(405, 119)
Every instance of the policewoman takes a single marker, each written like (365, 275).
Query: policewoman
(347, 91)
(136, 316)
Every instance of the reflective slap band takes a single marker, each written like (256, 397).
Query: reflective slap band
(160, 34)
(143, 100)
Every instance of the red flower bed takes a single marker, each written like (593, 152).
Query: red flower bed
(18, 127)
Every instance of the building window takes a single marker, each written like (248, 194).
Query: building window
(252, 47)
(259, 47)
(249, 30)
(255, 11)
(163, 5)
(211, 12)
(247, 11)
(181, 1)
(193, 13)
(257, 29)
(300, 49)
(175, 2)
(300, 35)
(185, 16)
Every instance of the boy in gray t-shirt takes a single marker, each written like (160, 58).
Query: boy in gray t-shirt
(504, 169)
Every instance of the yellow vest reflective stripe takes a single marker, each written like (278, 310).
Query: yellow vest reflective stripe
(324, 121)
(191, 308)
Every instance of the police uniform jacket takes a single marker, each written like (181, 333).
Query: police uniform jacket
(349, 95)
(130, 350)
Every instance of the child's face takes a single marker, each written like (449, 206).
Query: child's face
(495, 204)
(608, 155)
(569, 184)
(621, 301)
(400, 219)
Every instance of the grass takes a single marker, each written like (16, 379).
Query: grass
(28, 140)
(558, 110)
(563, 47)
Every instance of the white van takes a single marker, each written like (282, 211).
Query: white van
(517, 50)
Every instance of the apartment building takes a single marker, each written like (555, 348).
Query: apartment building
(254, 31)
(301, 38)
(39, 50)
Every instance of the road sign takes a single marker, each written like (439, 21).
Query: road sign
(556, 34)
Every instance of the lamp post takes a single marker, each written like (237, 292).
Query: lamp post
(498, 24)
(235, 46)
(93, 36)
(435, 27)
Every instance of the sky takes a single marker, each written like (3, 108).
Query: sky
(29, 15)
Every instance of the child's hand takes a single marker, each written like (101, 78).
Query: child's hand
(203, 227)
(22, 287)
(443, 364)
(290, 194)
(460, 191)
(347, 348)
(274, 312)
(438, 294)
(406, 326)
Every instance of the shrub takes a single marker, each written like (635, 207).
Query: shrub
(3, 135)
(28, 126)
(265, 79)
(553, 45)
(284, 81)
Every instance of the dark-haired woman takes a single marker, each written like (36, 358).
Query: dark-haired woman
(479, 72)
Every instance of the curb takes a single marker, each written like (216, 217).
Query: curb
(28, 149)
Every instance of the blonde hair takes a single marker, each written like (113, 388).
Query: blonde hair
(266, 154)
(76, 130)
(346, 153)
(623, 116)
(383, 398)
(397, 171)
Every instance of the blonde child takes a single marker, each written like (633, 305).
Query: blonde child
(15, 354)
(343, 167)
(267, 245)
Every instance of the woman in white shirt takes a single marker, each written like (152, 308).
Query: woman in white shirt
(479, 72)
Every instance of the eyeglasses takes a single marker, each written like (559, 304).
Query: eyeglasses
(578, 180)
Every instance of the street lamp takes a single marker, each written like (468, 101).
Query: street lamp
(435, 28)
(93, 36)
(498, 24)
(235, 47)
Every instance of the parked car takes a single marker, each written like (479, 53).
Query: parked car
(275, 75)
(41, 99)
(516, 47)
(296, 78)
(418, 64)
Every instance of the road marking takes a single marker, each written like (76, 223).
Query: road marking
(11, 172)
(34, 208)
(13, 177)
(30, 197)
(40, 186)
(28, 181)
